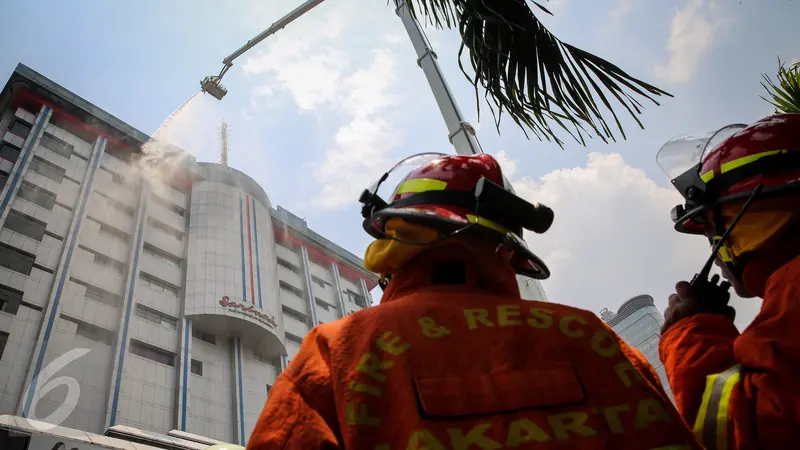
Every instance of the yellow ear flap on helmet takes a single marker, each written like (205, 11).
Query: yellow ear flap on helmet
(386, 255)
(754, 229)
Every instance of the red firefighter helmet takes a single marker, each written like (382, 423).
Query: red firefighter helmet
(731, 163)
(455, 194)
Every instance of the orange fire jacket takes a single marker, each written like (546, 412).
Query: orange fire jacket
(456, 366)
(741, 391)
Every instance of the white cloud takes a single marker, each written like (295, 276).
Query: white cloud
(612, 237)
(395, 38)
(508, 165)
(692, 33)
(330, 71)
(620, 9)
(363, 145)
(306, 58)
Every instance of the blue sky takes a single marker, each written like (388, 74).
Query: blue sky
(324, 106)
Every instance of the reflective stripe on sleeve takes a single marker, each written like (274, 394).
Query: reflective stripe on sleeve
(711, 425)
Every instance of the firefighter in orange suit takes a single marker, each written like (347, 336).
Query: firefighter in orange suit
(452, 358)
(741, 390)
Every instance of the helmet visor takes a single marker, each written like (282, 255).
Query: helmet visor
(388, 185)
(719, 137)
(683, 153)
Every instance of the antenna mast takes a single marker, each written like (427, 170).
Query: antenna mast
(223, 148)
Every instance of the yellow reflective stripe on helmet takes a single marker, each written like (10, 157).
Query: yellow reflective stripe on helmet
(739, 162)
(421, 185)
(711, 424)
(488, 224)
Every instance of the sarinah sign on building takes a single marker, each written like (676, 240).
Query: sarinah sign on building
(249, 311)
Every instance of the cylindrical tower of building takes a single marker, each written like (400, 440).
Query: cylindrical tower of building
(638, 322)
(232, 275)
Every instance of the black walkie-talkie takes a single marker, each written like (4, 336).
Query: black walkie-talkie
(716, 296)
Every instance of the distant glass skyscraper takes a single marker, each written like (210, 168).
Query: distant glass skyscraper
(638, 322)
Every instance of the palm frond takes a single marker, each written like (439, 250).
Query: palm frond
(784, 96)
(542, 83)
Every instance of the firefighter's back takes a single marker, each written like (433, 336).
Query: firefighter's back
(448, 368)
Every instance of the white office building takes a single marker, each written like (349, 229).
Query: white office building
(638, 322)
(170, 297)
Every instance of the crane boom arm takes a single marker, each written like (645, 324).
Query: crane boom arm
(212, 84)
(460, 132)
(274, 28)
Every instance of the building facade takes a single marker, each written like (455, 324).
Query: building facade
(638, 322)
(159, 294)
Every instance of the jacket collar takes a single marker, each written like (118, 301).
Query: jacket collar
(758, 271)
(483, 272)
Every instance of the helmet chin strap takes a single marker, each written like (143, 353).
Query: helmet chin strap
(725, 254)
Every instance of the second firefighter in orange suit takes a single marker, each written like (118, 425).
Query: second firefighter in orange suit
(742, 391)
(452, 358)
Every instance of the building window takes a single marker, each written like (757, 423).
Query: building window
(16, 259)
(108, 230)
(47, 169)
(56, 145)
(9, 153)
(152, 353)
(161, 255)
(106, 261)
(319, 281)
(25, 225)
(156, 317)
(3, 179)
(3, 341)
(291, 289)
(20, 128)
(10, 299)
(269, 386)
(115, 177)
(197, 367)
(203, 336)
(179, 189)
(99, 295)
(289, 266)
(296, 315)
(169, 205)
(321, 304)
(259, 357)
(356, 298)
(31, 306)
(295, 339)
(158, 285)
(37, 195)
(166, 229)
(91, 332)
(119, 206)
(79, 156)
